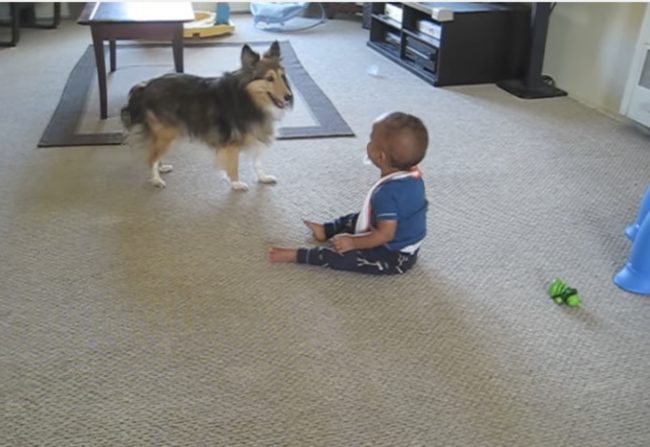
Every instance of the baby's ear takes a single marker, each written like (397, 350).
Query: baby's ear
(273, 51)
(248, 57)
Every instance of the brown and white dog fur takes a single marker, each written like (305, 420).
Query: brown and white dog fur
(232, 113)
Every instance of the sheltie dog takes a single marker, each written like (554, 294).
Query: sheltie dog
(230, 113)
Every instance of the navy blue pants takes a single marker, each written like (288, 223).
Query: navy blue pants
(374, 261)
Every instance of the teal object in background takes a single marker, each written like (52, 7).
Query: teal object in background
(223, 14)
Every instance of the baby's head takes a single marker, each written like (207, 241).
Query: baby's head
(402, 138)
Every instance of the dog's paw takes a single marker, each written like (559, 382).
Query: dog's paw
(239, 186)
(267, 179)
(158, 182)
(164, 169)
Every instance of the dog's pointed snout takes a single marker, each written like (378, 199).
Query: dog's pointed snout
(288, 97)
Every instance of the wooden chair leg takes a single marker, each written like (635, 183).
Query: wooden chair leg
(15, 26)
(57, 14)
(56, 18)
(29, 16)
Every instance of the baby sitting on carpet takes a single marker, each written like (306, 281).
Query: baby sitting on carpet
(385, 236)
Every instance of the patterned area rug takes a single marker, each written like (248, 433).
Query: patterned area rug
(76, 120)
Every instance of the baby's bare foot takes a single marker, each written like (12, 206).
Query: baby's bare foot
(277, 254)
(317, 229)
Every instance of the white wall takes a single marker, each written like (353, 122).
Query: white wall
(589, 50)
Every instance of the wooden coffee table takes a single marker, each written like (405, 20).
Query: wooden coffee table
(133, 20)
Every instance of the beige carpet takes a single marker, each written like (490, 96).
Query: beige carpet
(136, 317)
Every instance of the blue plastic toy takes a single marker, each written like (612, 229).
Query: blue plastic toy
(635, 276)
(644, 208)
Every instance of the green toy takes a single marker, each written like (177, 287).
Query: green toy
(563, 294)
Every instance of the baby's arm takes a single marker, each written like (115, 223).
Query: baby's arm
(385, 232)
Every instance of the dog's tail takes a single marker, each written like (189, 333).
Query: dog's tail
(133, 112)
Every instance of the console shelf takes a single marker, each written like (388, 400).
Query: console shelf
(453, 43)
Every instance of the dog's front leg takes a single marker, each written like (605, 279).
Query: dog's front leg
(262, 176)
(228, 159)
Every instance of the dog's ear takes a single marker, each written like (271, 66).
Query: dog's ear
(273, 51)
(248, 57)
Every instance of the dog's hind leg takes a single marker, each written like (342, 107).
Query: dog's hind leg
(161, 138)
(156, 169)
(262, 176)
(228, 159)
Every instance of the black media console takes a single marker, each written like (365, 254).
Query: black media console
(454, 43)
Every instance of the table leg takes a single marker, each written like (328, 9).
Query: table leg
(111, 44)
(177, 43)
(98, 44)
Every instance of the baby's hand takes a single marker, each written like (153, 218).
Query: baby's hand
(343, 243)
